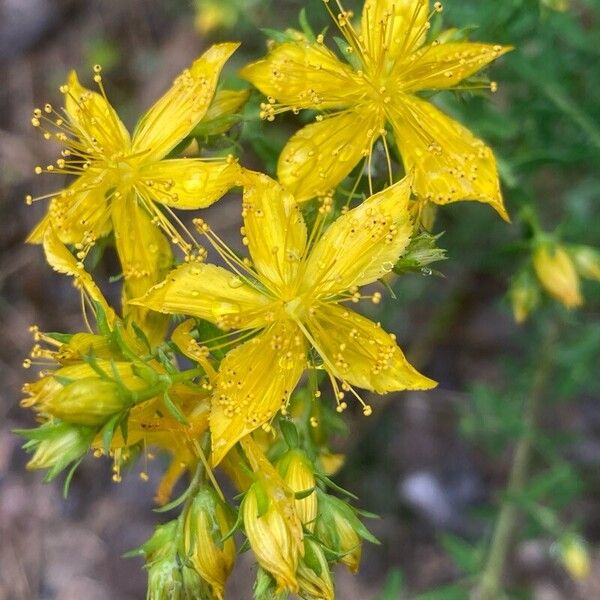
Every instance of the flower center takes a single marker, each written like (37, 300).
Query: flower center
(296, 308)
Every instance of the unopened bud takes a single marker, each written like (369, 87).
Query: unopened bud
(298, 474)
(274, 532)
(557, 274)
(575, 557)
(340, 530)
(208, 520)
(313, 574)
(587, 261)
(90, 401)
(59, 446)
(524, 295)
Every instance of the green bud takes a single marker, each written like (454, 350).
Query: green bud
(421, 252)
(340, 530)
(56, 445)
(90, 401)
(207, 521)
(314, 576)
(169, 578)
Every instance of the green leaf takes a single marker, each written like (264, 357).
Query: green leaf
(449, 592)
(262, 500)
(466, 557)
(305, 25)
(108, 431)
(139, 333)
(304, 493)
(334, 486)
(174, 409)
(101, 319)
(278, 36)
(69, 477)
(343, 46)
(311, 558)
(290, 433)
(174, 503)
(393, 586)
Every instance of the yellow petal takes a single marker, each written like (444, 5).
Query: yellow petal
(80, 214)
(220, 115)
(274, 229)
(62, 261)
(36, 235)
(255, 380)
(175, 114)
(317, 158)
(305, 75)
(448, 161)
(188, 182)
(393, 28)
(208, 292)
(442, 66)
(362, 245)
(360, 352)
(145, 257)
(95, 121)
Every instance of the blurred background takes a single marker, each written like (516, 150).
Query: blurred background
(433, 465)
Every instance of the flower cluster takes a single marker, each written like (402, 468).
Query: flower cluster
(238, 387)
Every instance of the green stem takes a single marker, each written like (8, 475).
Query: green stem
(490, 583)
(165, 382)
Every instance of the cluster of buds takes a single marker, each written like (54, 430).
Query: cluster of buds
(296, 530)
(555, 269)
(108, 393)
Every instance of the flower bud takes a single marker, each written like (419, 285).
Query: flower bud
(56, 446)
(421, 252)
(575, 557)
(208, 520)
(587, 261)
(524, 295)
(168, 577)
(298, 474)
(213, 14)
(340, 530)
(557, 274)
(82, 344)
(274, 532)
(90, 401)
(313, 573)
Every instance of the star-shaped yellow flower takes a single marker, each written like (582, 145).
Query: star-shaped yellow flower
(393, 64)
(124, 182)
(291, 296)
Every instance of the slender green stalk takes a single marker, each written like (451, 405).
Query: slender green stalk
(490, 583)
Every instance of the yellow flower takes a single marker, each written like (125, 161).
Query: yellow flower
(392, 64)
(207, 522)
(123, 183)
(291, 295)
(557, 274)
